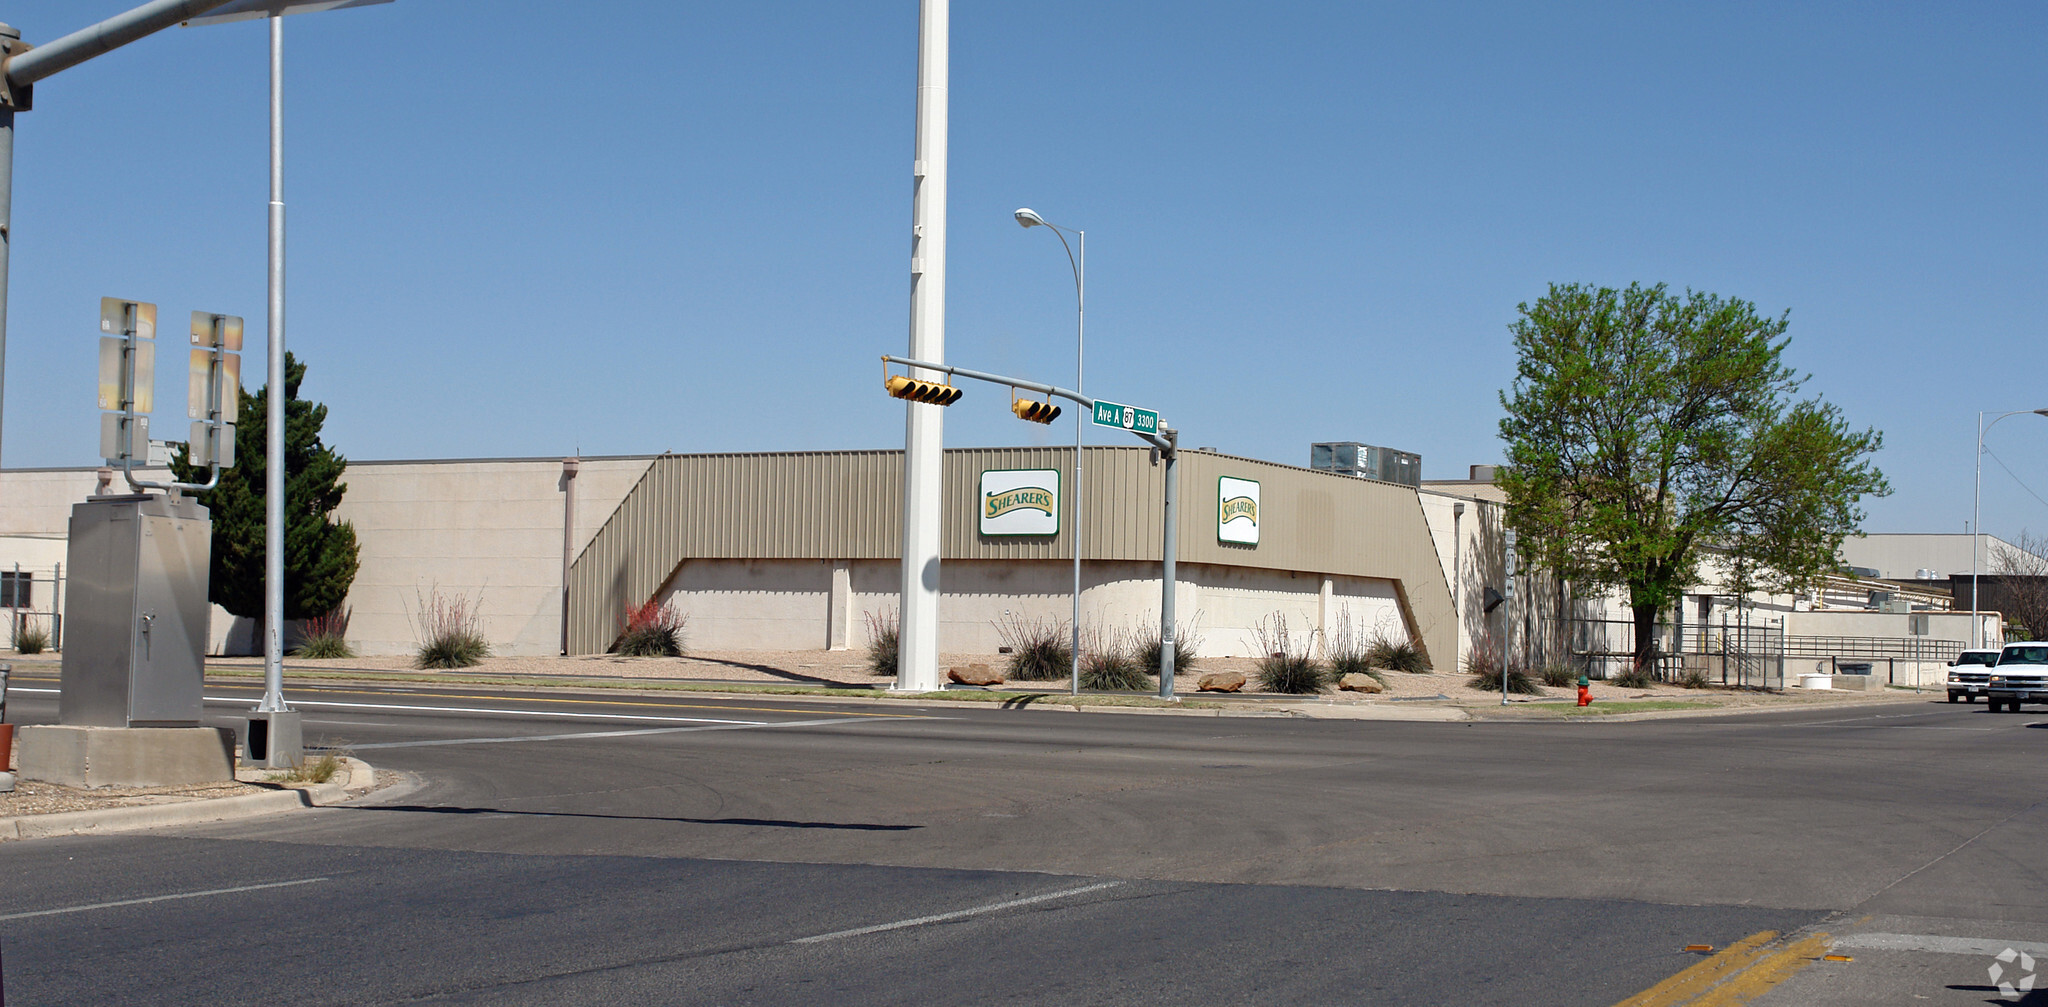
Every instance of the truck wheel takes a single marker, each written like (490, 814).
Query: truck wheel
(1992, 703)
(1952, 697)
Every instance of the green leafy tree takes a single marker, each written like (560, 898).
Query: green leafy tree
(1644, 429)
(319, 553)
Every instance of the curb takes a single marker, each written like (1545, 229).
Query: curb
(219, 809)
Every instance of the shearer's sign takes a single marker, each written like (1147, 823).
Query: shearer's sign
(1237, 511)
(1020, 502)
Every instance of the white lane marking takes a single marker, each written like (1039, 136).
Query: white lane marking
(1943, 945)
(958, 914)
(162, 898)
(718, 726)
(545, 714)
(47, 692)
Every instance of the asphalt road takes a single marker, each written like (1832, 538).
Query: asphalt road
(576, 849)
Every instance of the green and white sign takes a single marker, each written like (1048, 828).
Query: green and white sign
(1020, 502)
(1237, 511)
(1122, 417)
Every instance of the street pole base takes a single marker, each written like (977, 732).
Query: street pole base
(273, 739)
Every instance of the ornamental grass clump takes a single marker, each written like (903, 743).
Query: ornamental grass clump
(1559, 675)
(326, 637)
(1483, 664)
(1636, 676)
(1039, 648)
(1396, 655)
(1187, 639)
(654, 629)
(1348, 651)
(1109, 662)
(450, 631)
(885, 641)
(30, 637)
(1284, 666)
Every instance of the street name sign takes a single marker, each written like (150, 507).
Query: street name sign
(1122, 417)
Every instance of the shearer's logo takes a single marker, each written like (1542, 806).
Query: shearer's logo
(1237, 507)
(1022, 498)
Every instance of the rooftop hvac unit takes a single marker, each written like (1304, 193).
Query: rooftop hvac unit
(1366, 462)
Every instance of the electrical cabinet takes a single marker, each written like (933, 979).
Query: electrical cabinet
(135, 643)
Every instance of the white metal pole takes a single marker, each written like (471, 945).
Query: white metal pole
(1080, 425)
(1169, 553)
(273, 475)
(917, 667)
(1977, 536)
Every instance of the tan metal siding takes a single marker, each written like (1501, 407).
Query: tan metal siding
(848, 505)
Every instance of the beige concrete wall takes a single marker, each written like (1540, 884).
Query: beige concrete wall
(1899, 556)
(735, 604)
(488, 530)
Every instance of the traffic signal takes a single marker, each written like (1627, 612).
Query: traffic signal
(930, 392)
(1036, 412)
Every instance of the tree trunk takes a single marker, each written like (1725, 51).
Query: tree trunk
(1646, 636)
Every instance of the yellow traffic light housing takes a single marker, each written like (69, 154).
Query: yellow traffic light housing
(929, 392)
(1036, 412)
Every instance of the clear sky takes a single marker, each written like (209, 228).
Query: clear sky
(528, 229)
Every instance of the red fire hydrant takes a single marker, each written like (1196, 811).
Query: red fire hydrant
(1585, 690)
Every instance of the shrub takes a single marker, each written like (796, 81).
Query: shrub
(1283, 667)
(1694, 678)
(1040, 650)
(1186, 640)
(30, 637)
(885, 640)
(1396, 655)
(1348, 651)
(1635, 676)
(1559, 675)
(450, 631)
(652, 630)
(318, 770)
(326, 636)
(1484, 665)
(1110, 662)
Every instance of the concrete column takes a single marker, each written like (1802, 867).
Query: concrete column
(839, 607)
(1324, 598)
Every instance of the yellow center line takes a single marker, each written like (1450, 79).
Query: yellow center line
(1737, 975)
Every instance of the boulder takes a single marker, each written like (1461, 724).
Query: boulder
(1359, 681)
(975, 674)
(1221, 681)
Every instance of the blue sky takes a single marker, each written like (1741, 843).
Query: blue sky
(525, 229)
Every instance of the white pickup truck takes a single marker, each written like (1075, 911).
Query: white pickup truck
(2020, 676)
(1970, 674)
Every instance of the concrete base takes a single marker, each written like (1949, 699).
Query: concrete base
(1859, 683)
(6, 783)
(273, 739)
(127, 756)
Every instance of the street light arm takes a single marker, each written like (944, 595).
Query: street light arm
(104, 37)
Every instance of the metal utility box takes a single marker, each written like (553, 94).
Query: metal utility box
(135, 651)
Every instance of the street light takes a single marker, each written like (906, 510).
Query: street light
(272, 705)
(1027, 217)
(1977, 517)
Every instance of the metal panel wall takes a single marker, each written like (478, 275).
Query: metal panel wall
(847, 505)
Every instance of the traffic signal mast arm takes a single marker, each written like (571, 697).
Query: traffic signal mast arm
(1162, 440)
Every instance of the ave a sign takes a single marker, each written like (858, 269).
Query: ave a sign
(1122, 417)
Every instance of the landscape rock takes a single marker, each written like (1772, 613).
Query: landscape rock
(1221, 681)
(1359, 681)
(975, 674)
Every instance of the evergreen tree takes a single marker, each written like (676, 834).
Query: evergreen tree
(319, 553)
